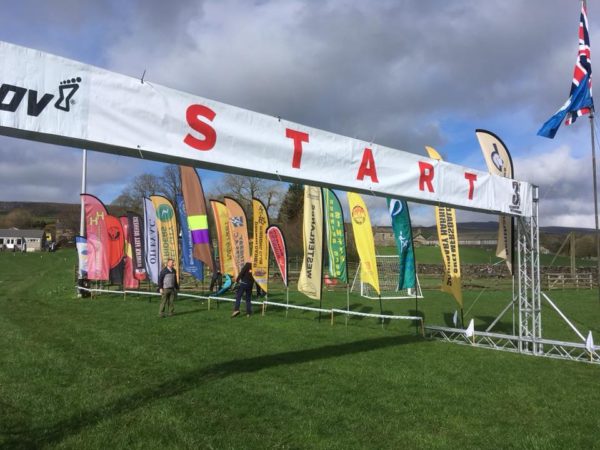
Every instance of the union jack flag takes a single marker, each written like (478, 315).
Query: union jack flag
(580, 100)
(583, 66)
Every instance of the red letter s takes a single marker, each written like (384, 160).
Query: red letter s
(193, 114)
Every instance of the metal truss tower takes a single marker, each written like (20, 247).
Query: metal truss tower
(528, 281)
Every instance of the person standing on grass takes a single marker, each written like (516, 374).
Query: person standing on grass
(246, 281)
(168, 286)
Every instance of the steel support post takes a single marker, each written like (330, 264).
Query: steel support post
(528, 282)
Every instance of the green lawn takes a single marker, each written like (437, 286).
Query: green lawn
(107, 373)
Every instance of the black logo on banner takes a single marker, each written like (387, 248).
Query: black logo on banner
(497, 160)
(11, 97)
(516, 198)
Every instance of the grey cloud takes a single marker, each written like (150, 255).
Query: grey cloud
(31, 171)
(385, 69)
(388, 71)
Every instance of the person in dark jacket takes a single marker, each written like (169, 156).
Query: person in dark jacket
(168, 287)
(246, 281)
(216, 282)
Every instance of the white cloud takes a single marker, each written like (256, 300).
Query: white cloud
(565, 186)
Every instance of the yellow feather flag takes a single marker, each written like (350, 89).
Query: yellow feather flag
(310, 279)
(363, 238)
(448, 238)
(224, 240)
(260, 245)
(238, 230)
(167, 230)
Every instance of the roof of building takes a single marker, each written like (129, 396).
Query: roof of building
(16, 233)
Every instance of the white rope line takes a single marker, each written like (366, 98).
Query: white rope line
(265, 302)
(157, 294)
(379, 316)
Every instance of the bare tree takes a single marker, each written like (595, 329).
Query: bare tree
(243, 189)
(143, 185)
(171, 183)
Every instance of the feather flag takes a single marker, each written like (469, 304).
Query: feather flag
(116, 249)
(400, 216)
(363, 237)
(151, 241)
(129, 281)
(136, 239)
(310, 280)
(97, 238)
(82, 253)
(580, 101)
(448, 237)
(499, 162)
(279, 250)
(195, 205)
(336, 240)
(238, 230)
(167, 230)
(224, 242)
(260, 244)
(191, 265)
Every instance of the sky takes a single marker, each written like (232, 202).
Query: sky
(402, 73)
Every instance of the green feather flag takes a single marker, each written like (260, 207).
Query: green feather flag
(403, 236)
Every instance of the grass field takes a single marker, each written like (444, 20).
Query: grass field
(107, 373)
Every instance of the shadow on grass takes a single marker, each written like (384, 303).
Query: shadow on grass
(417, 313)
(449, 321)
(37, 437)
(500, 327)
(191, 311)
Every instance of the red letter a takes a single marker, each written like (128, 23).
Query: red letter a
(367, 166)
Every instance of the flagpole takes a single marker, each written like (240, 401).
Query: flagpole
(83, 188)
(347, 296)
(595, 197)
(82, 217)
(381, 310)
(416, 309)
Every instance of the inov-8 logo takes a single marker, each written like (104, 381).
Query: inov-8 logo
(11, 97)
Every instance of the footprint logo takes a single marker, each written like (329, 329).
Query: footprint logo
(66, 91)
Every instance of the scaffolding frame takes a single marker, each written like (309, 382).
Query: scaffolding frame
(527, 298)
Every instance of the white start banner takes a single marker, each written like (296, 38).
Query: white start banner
(52, 99)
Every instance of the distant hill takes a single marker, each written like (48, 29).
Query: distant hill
(55, 210)
(42, 209)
